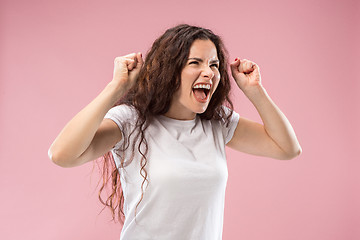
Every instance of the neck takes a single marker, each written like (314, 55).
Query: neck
(180, 115)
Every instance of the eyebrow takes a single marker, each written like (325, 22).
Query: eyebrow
(200, 60)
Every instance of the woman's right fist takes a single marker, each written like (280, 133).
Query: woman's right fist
(126, 69)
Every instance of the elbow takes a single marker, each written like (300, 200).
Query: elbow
(292, 155)
(55, 158)
(59, 159)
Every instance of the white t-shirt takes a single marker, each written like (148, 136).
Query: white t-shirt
(187, 173)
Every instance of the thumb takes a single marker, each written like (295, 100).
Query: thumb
(130, 64)
(139, 60)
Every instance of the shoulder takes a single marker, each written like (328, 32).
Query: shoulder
(124, 108)
(227, 117)
(123, 112)
(227, 123)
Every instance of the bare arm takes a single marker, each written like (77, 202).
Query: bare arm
(276, 138)
(68, 149)
(88, 135)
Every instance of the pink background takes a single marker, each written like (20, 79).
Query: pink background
(56, 56)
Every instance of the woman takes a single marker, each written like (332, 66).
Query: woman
(167, 134)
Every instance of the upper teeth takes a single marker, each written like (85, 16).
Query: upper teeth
(206, 86)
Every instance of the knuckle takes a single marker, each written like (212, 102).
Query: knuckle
(117, 59)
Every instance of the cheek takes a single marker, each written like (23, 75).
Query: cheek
(216, 80)
(187, 82)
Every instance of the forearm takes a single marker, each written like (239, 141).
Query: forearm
(275, 122)
(78, 133)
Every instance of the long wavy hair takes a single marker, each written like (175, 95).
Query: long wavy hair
(158, 80)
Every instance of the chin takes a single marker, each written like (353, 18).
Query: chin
(200, 110)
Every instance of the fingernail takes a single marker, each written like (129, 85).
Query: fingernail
(236, 59)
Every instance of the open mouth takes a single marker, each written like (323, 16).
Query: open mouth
(201, 91)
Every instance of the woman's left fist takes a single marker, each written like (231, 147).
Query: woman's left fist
(246, 74)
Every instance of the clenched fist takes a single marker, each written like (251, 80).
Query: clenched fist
(126, 70)
(246, 74)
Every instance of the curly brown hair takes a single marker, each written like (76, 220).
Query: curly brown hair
(157, 82)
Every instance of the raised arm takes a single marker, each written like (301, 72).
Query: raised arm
(88, 135)
(276, 138)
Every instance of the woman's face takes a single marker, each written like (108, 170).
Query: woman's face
(199, 80)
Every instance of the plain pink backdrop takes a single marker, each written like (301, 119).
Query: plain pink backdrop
(56, 56)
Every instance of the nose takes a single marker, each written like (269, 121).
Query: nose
(208, 72)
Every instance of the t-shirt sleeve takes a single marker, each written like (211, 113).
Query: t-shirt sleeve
(125, 117)
(228, 130)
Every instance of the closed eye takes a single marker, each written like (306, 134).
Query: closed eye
(212, 65)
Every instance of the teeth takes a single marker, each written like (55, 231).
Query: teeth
(206, 86)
